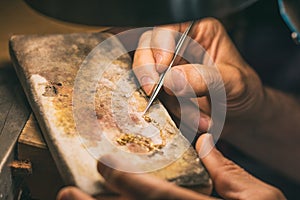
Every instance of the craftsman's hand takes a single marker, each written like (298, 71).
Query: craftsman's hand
(230, 181)
(245, 94)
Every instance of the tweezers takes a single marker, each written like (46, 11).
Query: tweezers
(160, 82)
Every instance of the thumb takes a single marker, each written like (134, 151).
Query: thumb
(230, 180)
(226, 175)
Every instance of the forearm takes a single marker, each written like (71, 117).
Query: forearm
(273, 135)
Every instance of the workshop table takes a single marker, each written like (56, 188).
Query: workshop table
(45, 181)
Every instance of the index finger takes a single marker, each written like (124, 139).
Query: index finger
(153, 55)
(144, 64)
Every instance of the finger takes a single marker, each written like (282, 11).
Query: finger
(198, 80)
(230, 180)
(204, 103)
(212, 36)
(188, 113)
(163, 43)
(72, 193)
(138, 186)
(144, 64)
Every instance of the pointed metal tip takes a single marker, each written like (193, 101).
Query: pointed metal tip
(146, 109)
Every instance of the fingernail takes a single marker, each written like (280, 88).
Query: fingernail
(206, 145)
(178, 80)
(147, 84)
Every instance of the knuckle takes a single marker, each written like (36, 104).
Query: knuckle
(212, 23)
(207, 30)
(225, 173)
(238, 85)
(209, 78)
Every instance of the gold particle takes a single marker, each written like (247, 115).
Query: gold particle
(142, 141)
(147, 118)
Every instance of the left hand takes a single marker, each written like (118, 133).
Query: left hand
(230, 181)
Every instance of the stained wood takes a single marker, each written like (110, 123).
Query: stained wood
(47, 66)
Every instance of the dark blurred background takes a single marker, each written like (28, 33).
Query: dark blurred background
(17, 18)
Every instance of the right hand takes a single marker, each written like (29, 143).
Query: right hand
(245, 93)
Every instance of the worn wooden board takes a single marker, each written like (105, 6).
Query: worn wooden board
(47, 67)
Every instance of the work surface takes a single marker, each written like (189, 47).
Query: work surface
(47, 67)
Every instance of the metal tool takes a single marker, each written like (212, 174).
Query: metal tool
(178, 49)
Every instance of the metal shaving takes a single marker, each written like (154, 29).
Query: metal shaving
(147, 118)
(142, 141)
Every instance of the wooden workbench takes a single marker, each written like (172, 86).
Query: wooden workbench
(17, 18)
(45, 181)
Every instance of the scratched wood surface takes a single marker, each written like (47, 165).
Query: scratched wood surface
(14, 112)
(47, 66)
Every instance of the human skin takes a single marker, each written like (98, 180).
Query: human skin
(257, 116)
(230, 181)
